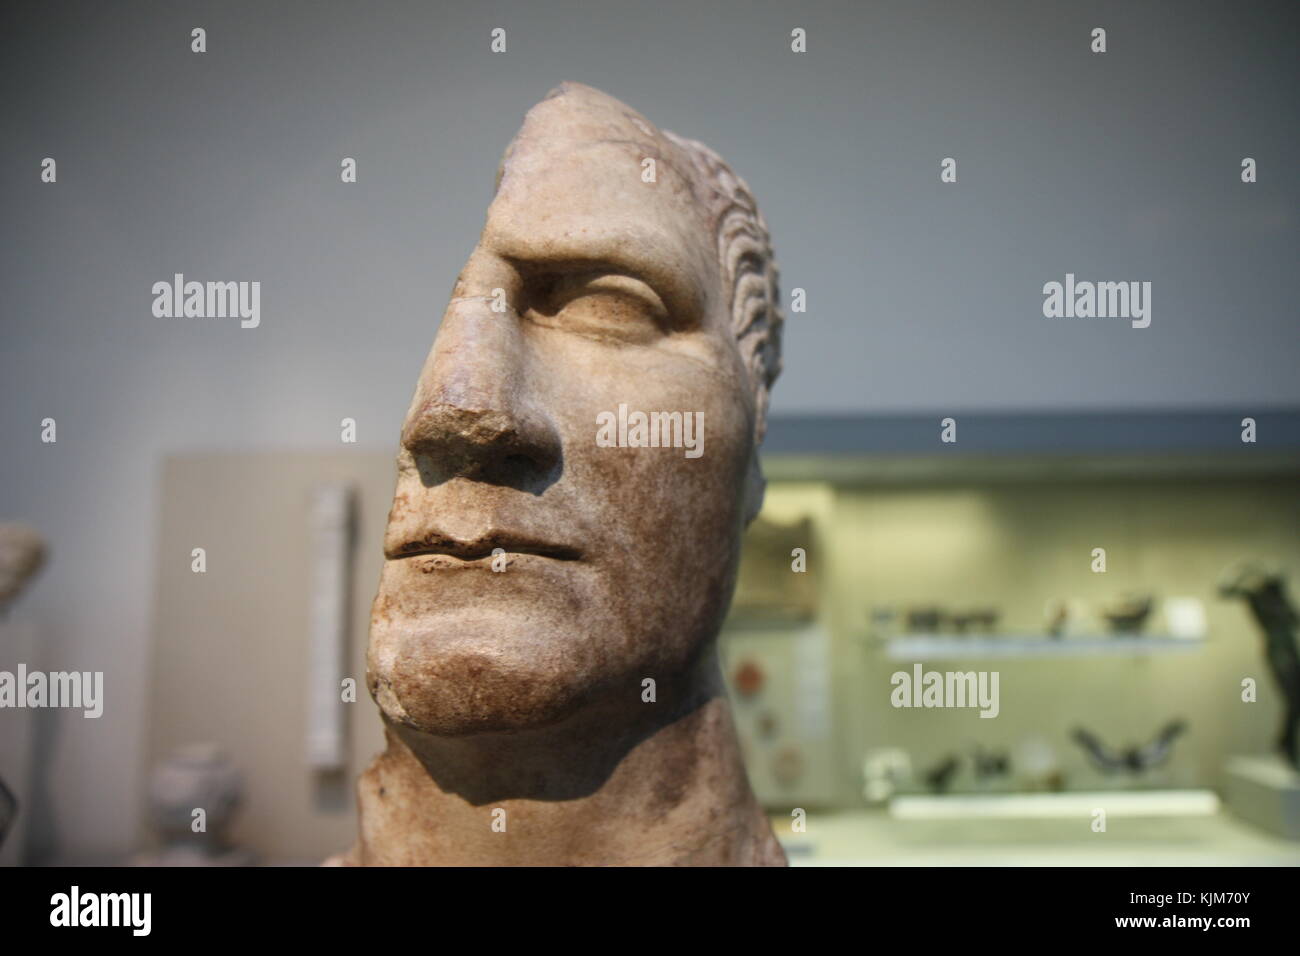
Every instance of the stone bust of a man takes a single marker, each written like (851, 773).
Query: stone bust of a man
(576, 469)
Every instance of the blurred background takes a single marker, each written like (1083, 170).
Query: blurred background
(924, 302)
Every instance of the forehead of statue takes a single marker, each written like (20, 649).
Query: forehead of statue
(576, 189)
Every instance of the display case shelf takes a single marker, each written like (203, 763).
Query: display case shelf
(923, 647)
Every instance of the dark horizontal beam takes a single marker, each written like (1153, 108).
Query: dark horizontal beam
(1155, 432)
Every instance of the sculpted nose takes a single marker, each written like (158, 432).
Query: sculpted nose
(474, 415)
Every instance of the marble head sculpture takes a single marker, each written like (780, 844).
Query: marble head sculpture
(576, 469)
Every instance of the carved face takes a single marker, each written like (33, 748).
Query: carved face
(590, 289)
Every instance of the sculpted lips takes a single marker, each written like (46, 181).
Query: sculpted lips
(436, 543)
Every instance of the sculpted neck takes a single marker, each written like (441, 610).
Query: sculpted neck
(660, 784)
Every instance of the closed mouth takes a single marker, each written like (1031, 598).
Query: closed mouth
(485, 546)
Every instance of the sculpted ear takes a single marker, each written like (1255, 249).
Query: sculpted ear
(755, 487)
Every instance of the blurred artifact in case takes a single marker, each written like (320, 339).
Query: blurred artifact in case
(22, 552)
(1265, 592)
(1133, 759)
(193, 796)
(769, 588)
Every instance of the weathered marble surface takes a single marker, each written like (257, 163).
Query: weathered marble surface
(513, 685)
(22, 552)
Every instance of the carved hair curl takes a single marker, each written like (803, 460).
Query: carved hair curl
(749, 270)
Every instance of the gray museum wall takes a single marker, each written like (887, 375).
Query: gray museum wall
(922, 297)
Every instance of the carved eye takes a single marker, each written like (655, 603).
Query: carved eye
(600, 305)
